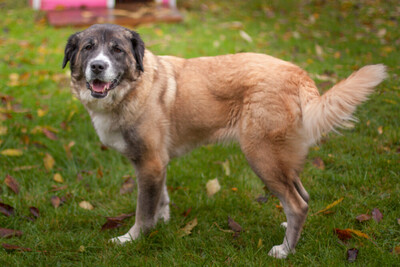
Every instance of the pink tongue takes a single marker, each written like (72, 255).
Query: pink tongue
(99, 86)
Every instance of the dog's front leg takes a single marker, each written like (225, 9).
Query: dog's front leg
(152, 198)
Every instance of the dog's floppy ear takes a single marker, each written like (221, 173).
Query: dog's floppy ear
(137, 50)
(70, 50)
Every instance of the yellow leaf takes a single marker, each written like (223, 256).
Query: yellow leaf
(259, 243)
(358, 233)
(48, 161)
(86, 205)
(330, 206)
(41, 112)
(212, 187)
(3, 130)
(187, 229)
(58, 178)
(12, 152)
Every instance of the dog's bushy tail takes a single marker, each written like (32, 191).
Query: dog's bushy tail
(321, 114)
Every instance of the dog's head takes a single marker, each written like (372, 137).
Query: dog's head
(102, 58)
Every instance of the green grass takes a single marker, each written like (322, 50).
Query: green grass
(362, 165)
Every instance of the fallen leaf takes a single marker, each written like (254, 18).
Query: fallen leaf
(3, 130)
(6, 209)
(11, 152)
(67, 148)
(128, 186)
(376, 215)
(363, 217)
(58, 178)
(212, 187)
(318, 163)
(226, 167)
(12, 183)
(186, 213)
(111, 224)
(234, 225)
(81, 248)
(234, 189)
(259, 244)
(352, 254)
(330, 206)
(319, 51)
(99, 172)
(245, 36)
(10, 247)
(58, 188)
(153, 233)
(7, 233)
(121, 217)
(55, 201)
(48, 161)
(34, 211)
(25, 168)
(358, 233)
(41, 112)
(380, 130)
(398, 220)
(86, 205)
(343, 234)
(49, 134)
(187, 229)
(396, 250)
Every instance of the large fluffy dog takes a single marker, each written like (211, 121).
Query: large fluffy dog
(153, 108)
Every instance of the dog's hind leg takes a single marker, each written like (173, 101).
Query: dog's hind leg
(267, 162)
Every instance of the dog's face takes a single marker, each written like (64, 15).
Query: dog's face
(104, 58)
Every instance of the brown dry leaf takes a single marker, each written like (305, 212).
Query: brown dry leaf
(363, 217)
(7, 233)
(34, 211)
(67, 148)
(86, 205)
(100, 172)
(318, 163)
(396, 250)
(48, 161)
(187, 229)
(127, 186)
(186, 213)
(329, 206)
(121, 217)
(49, 134)
(212, 187)
(6, 209)
(14, 247)
(12, 183)
(262, 199)
(380, 130)
(55, 188)
(343, 234)
(234, 225)
(376, 215)
(352, 254)
(25, 168)
(55, 201)
(58, 178)
(111, 224)
(11, 152)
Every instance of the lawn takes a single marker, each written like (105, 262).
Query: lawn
(40, 121)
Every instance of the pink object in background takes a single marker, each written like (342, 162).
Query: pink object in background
(53, 4)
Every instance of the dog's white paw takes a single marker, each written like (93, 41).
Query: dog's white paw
(120, 240)
(280, 252)
(284, 225)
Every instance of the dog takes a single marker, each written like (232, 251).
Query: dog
(154, 108)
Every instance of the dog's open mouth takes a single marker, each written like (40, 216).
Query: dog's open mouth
(99, 88)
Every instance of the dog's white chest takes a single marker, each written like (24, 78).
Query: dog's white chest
(108, 131)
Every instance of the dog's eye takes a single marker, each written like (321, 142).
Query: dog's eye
(116, 50)
(88, 47)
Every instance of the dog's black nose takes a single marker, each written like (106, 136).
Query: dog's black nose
(98, 66)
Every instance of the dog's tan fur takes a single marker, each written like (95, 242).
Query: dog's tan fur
(270, 106)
